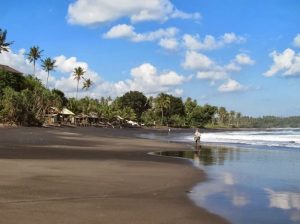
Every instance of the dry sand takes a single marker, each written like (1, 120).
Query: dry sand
(93, 175)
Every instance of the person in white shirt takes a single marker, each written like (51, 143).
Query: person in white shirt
(197, 136)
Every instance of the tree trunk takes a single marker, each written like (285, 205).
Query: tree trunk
(47, 80)
(162, 116)
(77, 90)
(33, 67)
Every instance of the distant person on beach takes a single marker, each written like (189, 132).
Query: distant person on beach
(197, 136)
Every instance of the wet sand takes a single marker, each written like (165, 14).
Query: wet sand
(94, 175)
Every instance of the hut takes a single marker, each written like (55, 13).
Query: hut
(9, 70)
(67, 116)
(52, 116)
(81, 119)
(93, 118)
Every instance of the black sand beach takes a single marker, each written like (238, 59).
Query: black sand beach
(93, 175)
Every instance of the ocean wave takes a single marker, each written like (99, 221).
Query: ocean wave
(280, 138)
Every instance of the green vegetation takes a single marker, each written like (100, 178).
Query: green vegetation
(24, 100)
(26, 105)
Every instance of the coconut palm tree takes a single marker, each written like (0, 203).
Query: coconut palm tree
(3, 44)
(78, 73)
(87, 83)
(34, 54)
(238, 118)
(48, 65)
(163, 102)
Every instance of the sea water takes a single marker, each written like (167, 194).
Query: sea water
(253, 176)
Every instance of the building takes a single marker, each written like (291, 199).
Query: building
(8, 69)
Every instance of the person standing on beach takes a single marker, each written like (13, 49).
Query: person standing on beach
(197, 136)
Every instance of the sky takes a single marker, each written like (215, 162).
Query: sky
(241, 54)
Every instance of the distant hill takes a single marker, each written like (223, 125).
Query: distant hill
(271, 122)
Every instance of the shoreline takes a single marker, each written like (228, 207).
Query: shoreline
(77, 175)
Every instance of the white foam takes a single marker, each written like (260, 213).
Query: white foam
(278, 137)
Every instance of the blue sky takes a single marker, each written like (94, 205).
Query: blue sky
(244, 55)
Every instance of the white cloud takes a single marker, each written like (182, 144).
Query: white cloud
(191, 42)
(147, 79)
(67, 65)
(89, 12)
(178, 92)
(243, 59)
(231, 86)
(296, 41)
(229, 38)
(127, 32)
(144, 78)
(212, 75)
(121, 31)
(17, 61)
(210, 42)
(183, 15)
(171, 78)
(287, 62)
(209, 70)
(195, 60)
(169, 43)
(232, 67)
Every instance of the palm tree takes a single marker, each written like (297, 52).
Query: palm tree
(3, 44)
(222, 114)
(78, 73)
(232, 116)
(34, 54)
(163, 102)
(48, 65)
(238, 117)
(87, 83)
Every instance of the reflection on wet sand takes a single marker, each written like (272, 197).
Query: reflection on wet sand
(285, 200)
(207, 155)
(241, 181)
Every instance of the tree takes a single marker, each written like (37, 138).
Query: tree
(15, 81)
(190, 105)
(87, 84)
(3, 44)
(127, 113)
(162, 102)
(48, 65)
(135, 100)
(222, 115)
(149, 117)
(176, 107)
(61, 95)
(12, 106)
(231, 117)
(78, 73)
(238, 117)
(34, 54)
(28, 106)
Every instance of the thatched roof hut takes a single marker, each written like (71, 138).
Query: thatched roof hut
(65, 111)
(8, 69)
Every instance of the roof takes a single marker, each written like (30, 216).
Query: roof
(81, 115)
(9, 69)
(65, 111)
